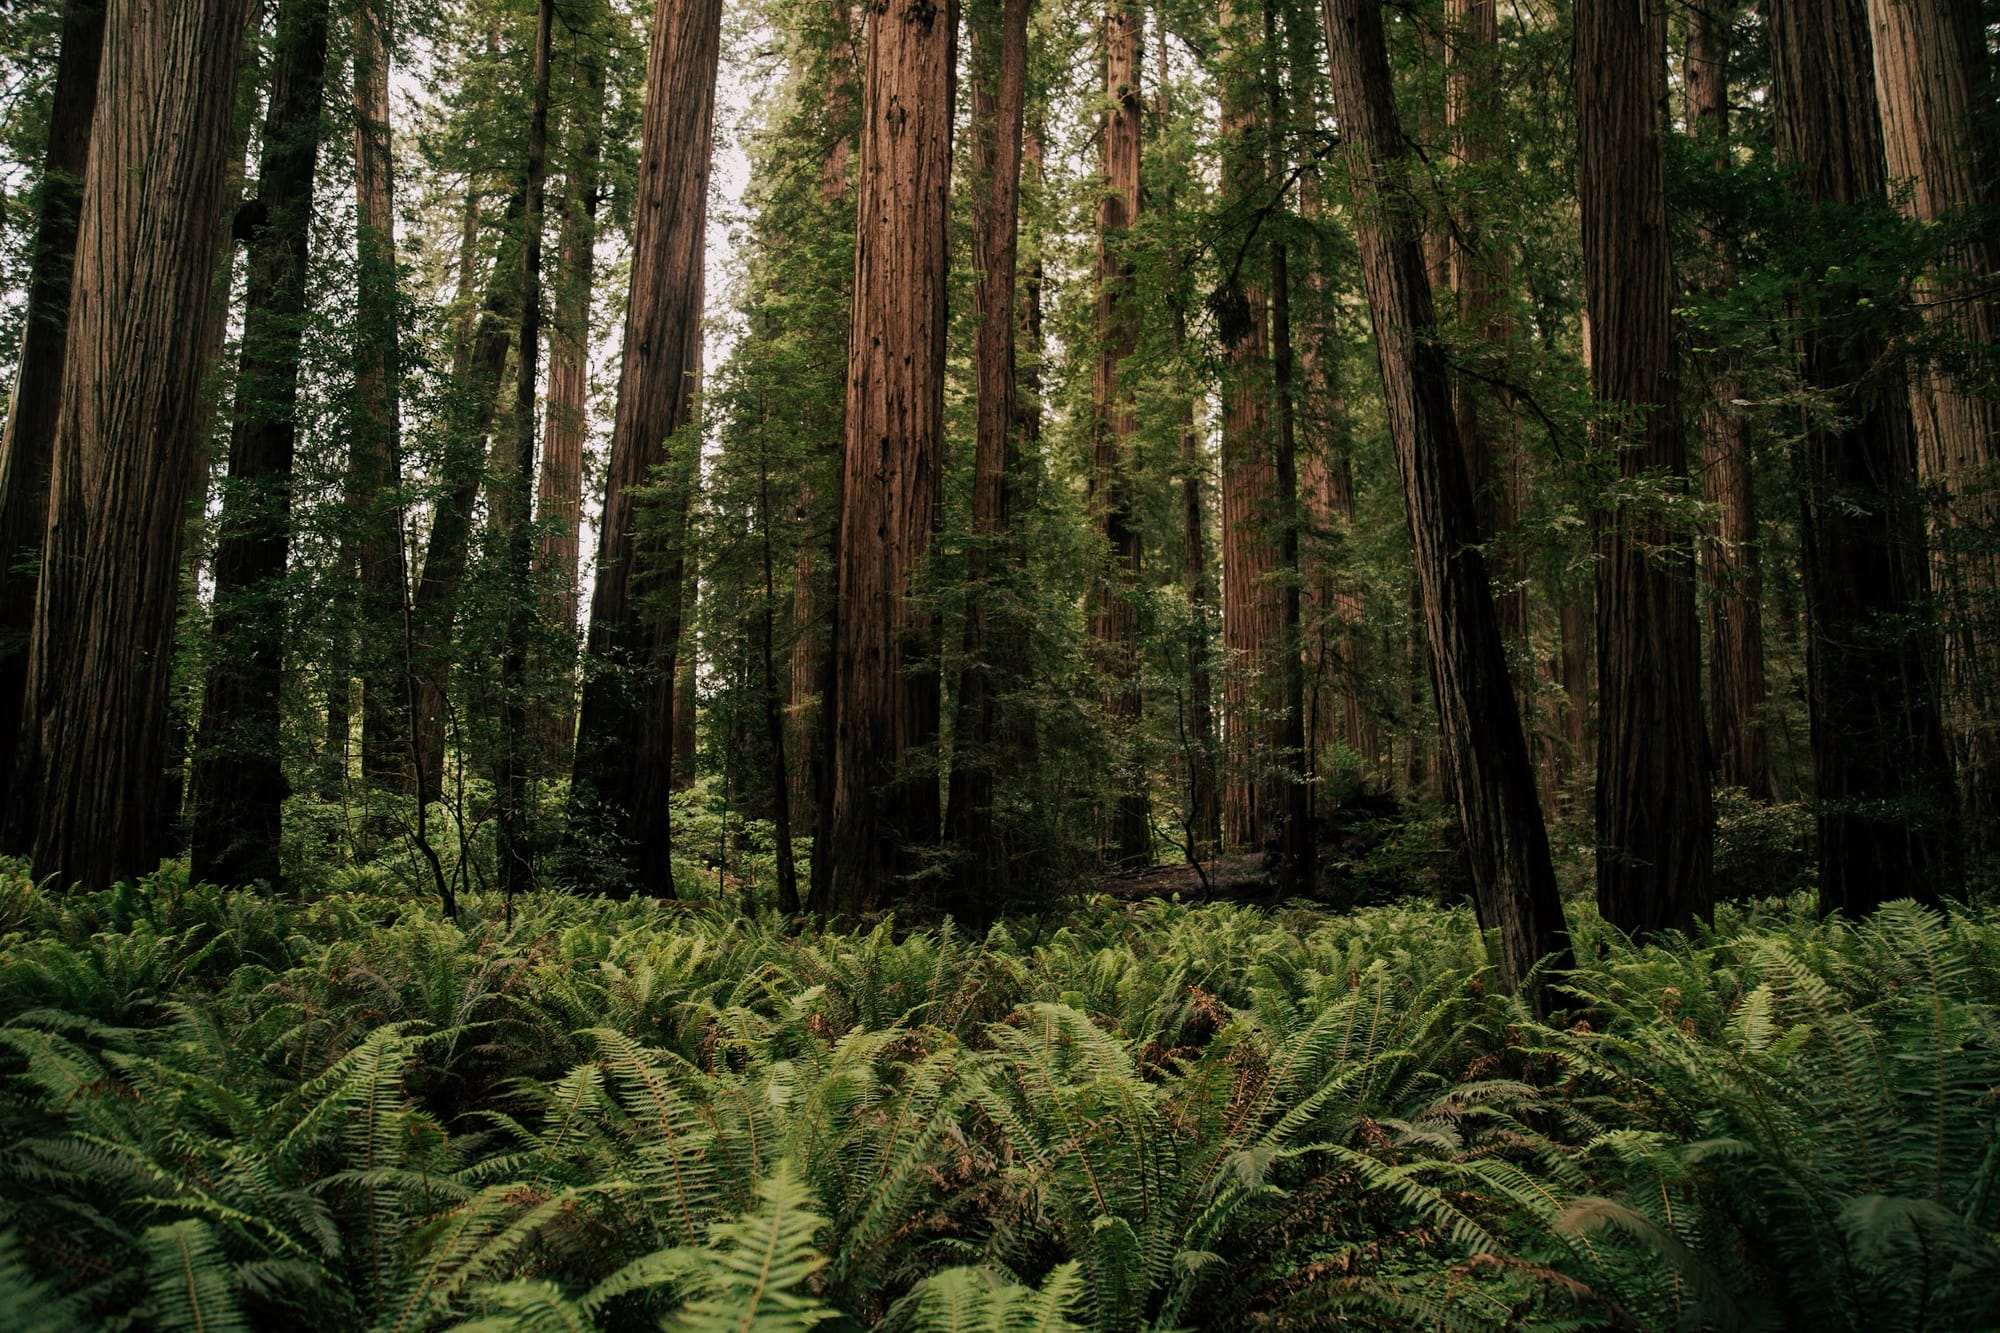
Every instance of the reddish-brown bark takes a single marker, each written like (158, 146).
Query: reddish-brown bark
(884, 695)
(1485, 755)
(1655, 817)
(624, 747)
(127, 450)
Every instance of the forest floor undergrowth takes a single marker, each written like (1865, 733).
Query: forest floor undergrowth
(225, 1110)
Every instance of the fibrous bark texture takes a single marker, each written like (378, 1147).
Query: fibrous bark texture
(884, 700)
(1252, 605)
(624, 748)
(559, 488)
(999, 88)
(1655, 817)
(29, 439)
(1485, 755)
(1930, 72)
(1881, 773)
(1731, 562)
(1114, 621)
(127, 450)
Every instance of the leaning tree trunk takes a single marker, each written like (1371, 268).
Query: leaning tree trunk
(1730, 564)
(1482, 271)
(893, 454)
(999, 90)
(1114, 619)
(1881, 771)
(239, 776)
(625, 726)
(1930, 76)
(28, 443)
(127, 454)
(1655, 816)
(1485, 755)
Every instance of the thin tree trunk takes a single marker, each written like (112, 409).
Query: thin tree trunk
(28, 443)
(1114, 618)
(1326, 470)
(1655, 816)
(375, 461)
(1252, 610)
(1886, 805)
(812, 564)
(999, 92)
(1296, 871)
(513, 843)
(687, 671)
(1731, 560)
(774, 713)
(559, 489)
(893, 454)
(1204, 809)
(624, 750)
(476, 373)
(239, 777)
(1486, 758)
(127, 455)
(1930, 73)
(1482, 271)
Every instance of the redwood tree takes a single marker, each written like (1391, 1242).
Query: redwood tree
(999, 91)
(1655, 817)
(883, 700)
(1930, 71)
(239, 779)
(625, 725)
(28, 442)
(127, 450)
(1731, 557)
(1486, 763)
(1114, 621)
(1884, 797)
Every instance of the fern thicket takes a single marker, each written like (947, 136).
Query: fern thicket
(221, 1111)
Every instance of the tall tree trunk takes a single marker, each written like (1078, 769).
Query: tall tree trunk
(774, 712)
(28, 442)
(127, 455)
(1326, 472)
(1482, 271)
(624, 748)
(1296, 870)
(1930, 73)
(1881, 772)
(1655, 816)
(239, 776)
(1204, 807)
(559, 489)
(1486, 757)
(999, 94)
(478, 365)
(1731, 562)
(812, 564)
(1252, 610)
(513, 843)
(893, 455)
(375, 449)
(1114, 619)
